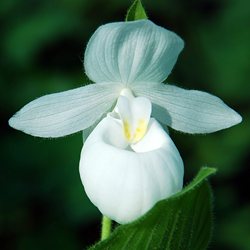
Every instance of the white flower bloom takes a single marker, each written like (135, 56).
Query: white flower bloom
(129, 164)
(136, 55)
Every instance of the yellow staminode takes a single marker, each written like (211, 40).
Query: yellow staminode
(135, 115)
(139, 130)
(127, 130)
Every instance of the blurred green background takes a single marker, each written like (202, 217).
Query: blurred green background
(43, 204)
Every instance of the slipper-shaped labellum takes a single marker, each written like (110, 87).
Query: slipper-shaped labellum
(129, 162)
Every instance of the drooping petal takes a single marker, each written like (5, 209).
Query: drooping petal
(129, 52)
(189, 111)
(66, 112)
(125, 184)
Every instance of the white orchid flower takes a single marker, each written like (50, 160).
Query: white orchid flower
(137, 55)
(129, 164)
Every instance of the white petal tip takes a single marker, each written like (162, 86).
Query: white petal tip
(16, 123)
(233, 119)
(237, 118)
(13, 122)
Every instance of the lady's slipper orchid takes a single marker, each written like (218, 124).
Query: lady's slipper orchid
(129, 163)
(136, 55)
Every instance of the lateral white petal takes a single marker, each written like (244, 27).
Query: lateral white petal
(66, 112)
(129, 52)
(190, 111)
(125, 184)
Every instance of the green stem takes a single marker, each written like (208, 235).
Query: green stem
(106, 227)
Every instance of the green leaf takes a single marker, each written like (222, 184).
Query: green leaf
(181, 222)
(136, 12)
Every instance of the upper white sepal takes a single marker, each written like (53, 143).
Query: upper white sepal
(125, 182)
(130, 52)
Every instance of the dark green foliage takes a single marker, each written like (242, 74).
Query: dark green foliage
(182, 222)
